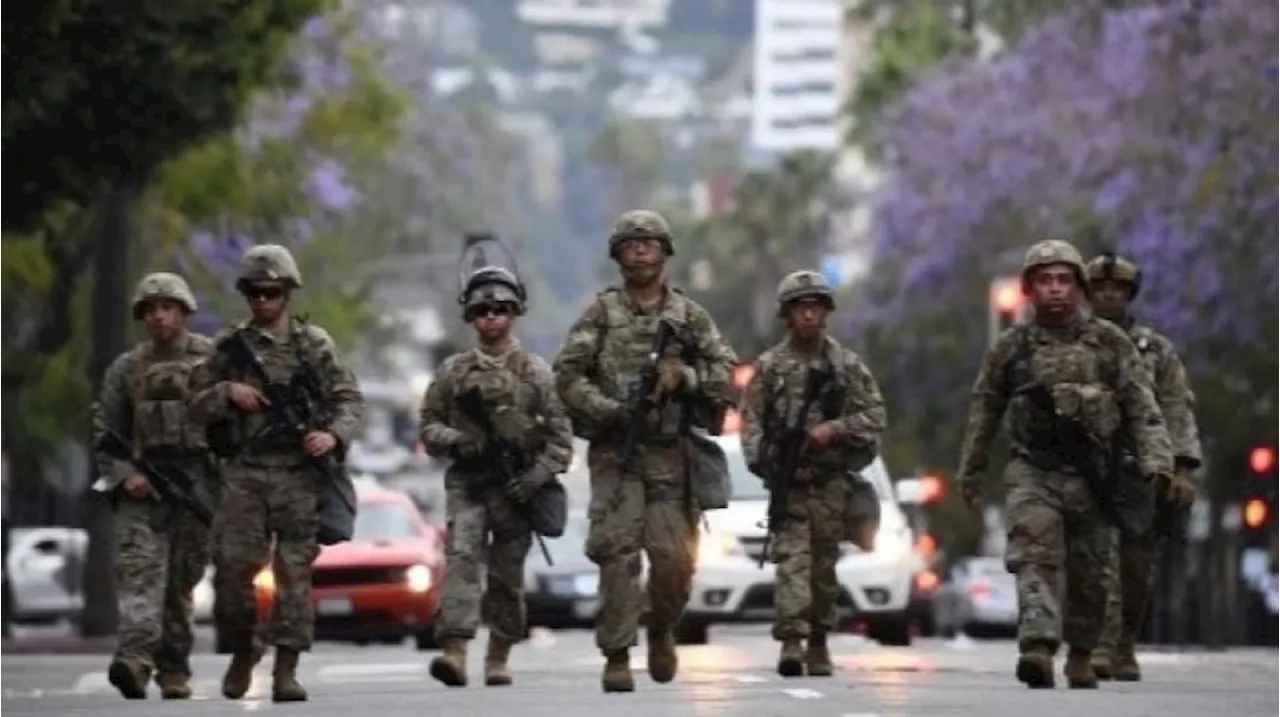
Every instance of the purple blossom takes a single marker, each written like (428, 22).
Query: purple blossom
(327, 186)
(1120, 123)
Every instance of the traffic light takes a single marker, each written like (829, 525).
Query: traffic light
(1262, 461)
(1007, 306)
(1255, 513)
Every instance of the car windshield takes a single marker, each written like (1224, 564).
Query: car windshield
(748, 486)
(377, 520)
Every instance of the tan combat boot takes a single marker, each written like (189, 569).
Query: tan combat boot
(451, 667)
(791, 658)
(1079, 670)
(662, 656)
(130, 677)
(496, 672)
(617, 672)
(1035, 667)
(174, 686)
(239, 674)
(284, 677)
(817, 658)
(1102, 663)
(1126, 664)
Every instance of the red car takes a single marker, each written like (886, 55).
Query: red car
(384, 584)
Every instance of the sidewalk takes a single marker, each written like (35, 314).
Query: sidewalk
(63, 641)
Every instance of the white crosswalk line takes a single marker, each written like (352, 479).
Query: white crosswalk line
(803, 693)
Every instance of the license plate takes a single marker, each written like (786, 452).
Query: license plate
(334, 606)
(585, 609)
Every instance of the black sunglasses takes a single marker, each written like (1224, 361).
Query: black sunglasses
(262, 292)
(491, 310)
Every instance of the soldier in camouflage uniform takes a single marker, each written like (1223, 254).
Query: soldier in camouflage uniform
(488, 537)
(271, 485)
(843, 426)
(1096, 381)
(1115, 282)
(647, 507)
(161, 550)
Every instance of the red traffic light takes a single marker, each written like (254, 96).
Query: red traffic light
(1255, 513)
(1006, 295)
(1262, 460)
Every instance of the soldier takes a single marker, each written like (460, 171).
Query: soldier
(272, 482)
(1115, 282)
(1071, 385)
(647, 503)
(489, 533)
(161, 549)
(845, 419)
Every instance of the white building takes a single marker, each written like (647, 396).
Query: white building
(798, 79)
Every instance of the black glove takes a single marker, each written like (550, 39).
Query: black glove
(525, 486)
(468, 449)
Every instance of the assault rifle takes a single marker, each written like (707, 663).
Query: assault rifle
(501, 456)
(171, 483)
(1125, 502)
(640, 394)
(297, 408)
(783, 454)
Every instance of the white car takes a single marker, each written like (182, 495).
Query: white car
(202, 598)
(43, 568)
(729, 585)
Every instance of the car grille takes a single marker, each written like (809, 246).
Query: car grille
(329, 577)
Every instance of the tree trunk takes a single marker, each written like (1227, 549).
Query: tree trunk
(110, 297)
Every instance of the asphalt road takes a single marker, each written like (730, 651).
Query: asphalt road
(558, 674)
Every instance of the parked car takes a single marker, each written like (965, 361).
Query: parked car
(43, 569)
(729, 586)
(565, 594)
(383, 584)
(980, 598)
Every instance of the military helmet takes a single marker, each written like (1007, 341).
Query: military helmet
(1053, 251)
(802, 284)
(1110, 267)
(269, 262)
(163, 285)
(493, 285)
(641, 224)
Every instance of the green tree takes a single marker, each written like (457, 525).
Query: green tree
(95, 93)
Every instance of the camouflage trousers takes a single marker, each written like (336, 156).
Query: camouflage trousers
(1056, 549)
(1130, 573)
(648, 509)
(806, 550)
(261, 503)
(484, 570)
(161, 555)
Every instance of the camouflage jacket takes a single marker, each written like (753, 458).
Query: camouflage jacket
(519, 392)
(608, 347)
(1172, 391)
(143, 400)
(1094, 374)
(852, 399)
(282, 355)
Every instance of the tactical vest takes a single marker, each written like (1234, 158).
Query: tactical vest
(281, 360)
(162, 425)
(1081, 385)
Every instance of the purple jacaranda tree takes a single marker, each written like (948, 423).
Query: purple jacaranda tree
(1149, 129)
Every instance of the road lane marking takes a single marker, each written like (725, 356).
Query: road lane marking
(803, 693)
(749, 679)
(377, 669)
